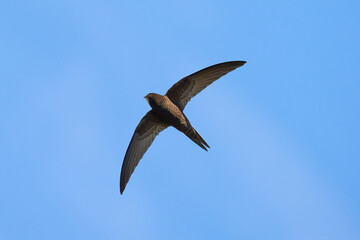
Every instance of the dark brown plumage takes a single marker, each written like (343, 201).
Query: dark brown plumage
(167, 111)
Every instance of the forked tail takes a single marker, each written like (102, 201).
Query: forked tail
(196, 138)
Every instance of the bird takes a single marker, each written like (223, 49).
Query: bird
(167, 110)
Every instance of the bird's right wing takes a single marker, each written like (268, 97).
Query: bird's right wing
(149, 127)
(182, 91)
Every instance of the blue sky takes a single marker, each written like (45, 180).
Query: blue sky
(283, 129)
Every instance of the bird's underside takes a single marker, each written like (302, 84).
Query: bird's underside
(167, 111)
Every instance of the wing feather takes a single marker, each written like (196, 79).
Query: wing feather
(185, 89)
(146, 131)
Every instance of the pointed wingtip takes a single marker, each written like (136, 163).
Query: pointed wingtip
(122, 188)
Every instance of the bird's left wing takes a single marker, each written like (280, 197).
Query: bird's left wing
(182, 91)
(149, 127)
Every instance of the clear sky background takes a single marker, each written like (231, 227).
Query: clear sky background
(283, 129)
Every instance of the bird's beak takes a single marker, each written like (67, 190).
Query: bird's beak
(146, 97)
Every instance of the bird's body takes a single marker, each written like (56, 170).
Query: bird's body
(170, 114)
(167, 110)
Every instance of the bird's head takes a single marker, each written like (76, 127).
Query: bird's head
(152, 98)
(148, 97)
